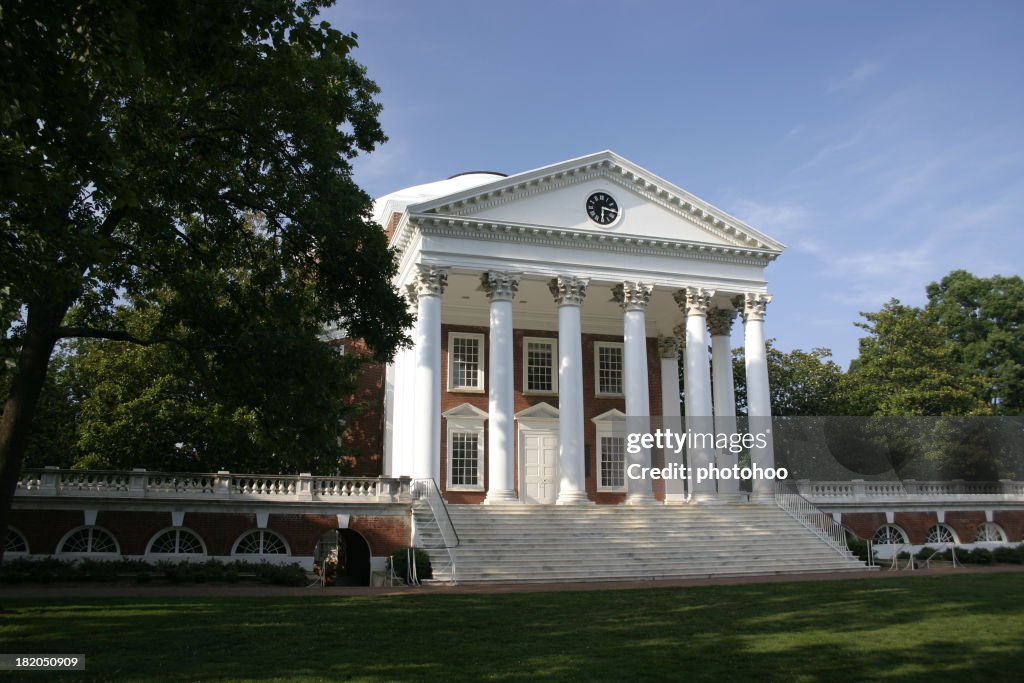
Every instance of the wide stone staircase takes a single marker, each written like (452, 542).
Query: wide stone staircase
(520, 543)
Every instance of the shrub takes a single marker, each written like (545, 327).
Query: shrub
(980, 556)
(399, 560)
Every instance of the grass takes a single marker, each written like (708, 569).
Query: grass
(968, 627)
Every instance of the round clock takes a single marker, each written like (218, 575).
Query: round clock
(602, 208)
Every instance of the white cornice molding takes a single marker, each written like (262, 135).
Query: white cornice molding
(490, 230)
(609, 166)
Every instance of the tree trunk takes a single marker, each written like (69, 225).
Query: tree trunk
(44, 319)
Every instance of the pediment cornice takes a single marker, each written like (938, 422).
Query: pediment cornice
(609, 167)
(490, 230)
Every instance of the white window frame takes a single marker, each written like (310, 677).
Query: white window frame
(263, 532)
(479, 339)
(991, 526)
(92, 528)
(178, 530)
(17, 553)
(597, 368)
(465, 419)
(551, 342)
(611, 424)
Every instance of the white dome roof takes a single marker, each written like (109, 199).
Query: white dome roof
(421, 193)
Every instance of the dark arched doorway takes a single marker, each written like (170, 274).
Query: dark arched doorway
(342, 556)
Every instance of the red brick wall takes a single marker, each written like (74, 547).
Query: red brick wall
(592, 404)
(965, 524)
(393, 221)
(1012, 522)
(864, 524)
(302, 531)
(133, 530)
(43, 529)
(916, 524)
(384, 534)
(219, 530)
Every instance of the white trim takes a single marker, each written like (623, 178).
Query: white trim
(178, 530)
(88, 553)
(479, 339)
(903, 532)
(245, 534)
(465, 419)
(946, 527)
(552, 342)
(597, 369)
(610, 423)
(17, 553)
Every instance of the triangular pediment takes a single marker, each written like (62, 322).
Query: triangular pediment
(609, 416)
(555, 197)
(540, 411)
(465, 411)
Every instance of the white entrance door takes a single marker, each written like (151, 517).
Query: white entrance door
(540, 466)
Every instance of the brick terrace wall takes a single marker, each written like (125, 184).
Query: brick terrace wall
(916, 524)
(133, 530)
(1012, 522)
(43, 529)
(385, 534)
(864, 524)
(593, 405)
(965, 523)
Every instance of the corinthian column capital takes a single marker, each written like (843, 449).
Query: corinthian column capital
(752, 306)
(500, 286)
(568, 290)
(668, 347)
(429, 281)
(694, 300)
(632, 296)
(720, 321)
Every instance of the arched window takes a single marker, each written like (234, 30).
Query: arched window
(260, 542)
(990, 532)
(176, 541)
(88, 540)
(890, 534)
(940, 533)
(16, 542)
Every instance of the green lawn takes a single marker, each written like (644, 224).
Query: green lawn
(968, 628)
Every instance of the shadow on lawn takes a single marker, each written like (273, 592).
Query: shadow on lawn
(905, 629)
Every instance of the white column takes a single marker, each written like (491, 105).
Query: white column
(634, 297)
(668, 350)
(759, 402)
(428, 287)
(723, 387)
(501, 289)
(569, 293)
(695, 302)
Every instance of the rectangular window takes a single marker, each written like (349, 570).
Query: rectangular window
(612, 456)
(465, 362)
(465, 459)
(608, 363)
(540, 365)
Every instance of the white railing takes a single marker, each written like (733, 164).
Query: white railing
(139, 483)
(821, 523)
(427, 490)
(828, 492)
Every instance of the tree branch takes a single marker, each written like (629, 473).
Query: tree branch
(113, 335)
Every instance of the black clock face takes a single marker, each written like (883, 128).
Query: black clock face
(602, 209)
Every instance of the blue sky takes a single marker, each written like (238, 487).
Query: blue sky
(883, 142)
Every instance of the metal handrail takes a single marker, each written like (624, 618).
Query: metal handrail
(939, 549)
(895, 564)
(820, 523)
(429, 490)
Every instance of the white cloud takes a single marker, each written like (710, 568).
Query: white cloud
(854, 78)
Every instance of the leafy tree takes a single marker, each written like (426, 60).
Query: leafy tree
(138, 140)
(908, 366)
(801, 382)
(985, 319)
